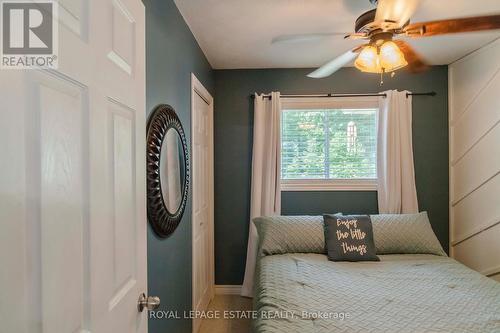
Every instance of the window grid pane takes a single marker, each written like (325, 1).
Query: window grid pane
(329, 144)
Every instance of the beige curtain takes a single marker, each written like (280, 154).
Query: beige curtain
(397, 192)
(266, 160)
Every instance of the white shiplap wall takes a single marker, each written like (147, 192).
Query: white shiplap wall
(474, 99)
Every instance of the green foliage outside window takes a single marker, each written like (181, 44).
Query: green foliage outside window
(329, 144)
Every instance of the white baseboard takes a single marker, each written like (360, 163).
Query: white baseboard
(228, 289)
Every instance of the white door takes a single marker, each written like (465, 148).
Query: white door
(203, 194)
(72, 194)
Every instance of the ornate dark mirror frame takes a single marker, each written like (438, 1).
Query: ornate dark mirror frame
(160, 121)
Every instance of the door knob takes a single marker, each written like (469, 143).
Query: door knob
(150, 302)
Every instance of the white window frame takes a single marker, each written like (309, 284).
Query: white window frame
(307, 103)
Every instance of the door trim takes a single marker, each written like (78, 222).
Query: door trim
(228, 289)
(198, 89)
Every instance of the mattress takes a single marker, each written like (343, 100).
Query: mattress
(401, 293)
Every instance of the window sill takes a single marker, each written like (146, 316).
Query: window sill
(329, 185)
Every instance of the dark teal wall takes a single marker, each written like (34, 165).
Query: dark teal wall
(233, 145)
(171, 55)
(318, 203)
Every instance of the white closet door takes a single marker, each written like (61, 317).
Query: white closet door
(203, 192)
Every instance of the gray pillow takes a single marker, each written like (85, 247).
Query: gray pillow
(393, 233)
(405, 233)
(290, 234)
(349, 238)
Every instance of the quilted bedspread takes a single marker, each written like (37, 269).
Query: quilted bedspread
(306, 293)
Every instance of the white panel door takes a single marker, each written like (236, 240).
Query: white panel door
(203, 247)
(72, 193)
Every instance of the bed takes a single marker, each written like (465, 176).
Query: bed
(305, 292)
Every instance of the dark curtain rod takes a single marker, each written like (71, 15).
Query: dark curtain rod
(431, 93)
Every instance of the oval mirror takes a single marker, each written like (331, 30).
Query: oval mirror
(167, 170)
(172, 171)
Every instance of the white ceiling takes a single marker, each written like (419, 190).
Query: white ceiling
(238, 33)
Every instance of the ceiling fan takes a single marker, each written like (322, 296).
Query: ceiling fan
(384, 54)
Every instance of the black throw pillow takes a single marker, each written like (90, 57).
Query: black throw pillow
(349, 238)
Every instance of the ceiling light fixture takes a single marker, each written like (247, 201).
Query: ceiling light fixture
(390, 20)
(380, 59)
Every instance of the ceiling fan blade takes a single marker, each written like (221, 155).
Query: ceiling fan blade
(357, 35)
(397, 11)
(304, 37)
(468, 24)
(334, 65)
(416, 63)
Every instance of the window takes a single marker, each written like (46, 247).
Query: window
(329, 144)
